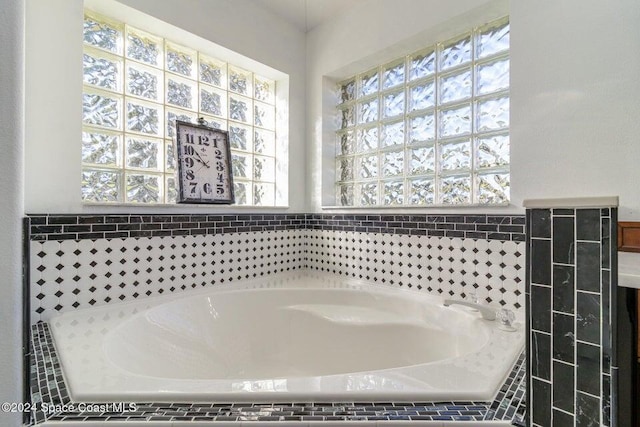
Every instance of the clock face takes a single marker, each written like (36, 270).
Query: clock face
(204, 168)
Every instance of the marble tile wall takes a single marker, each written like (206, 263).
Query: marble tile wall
(570, 281)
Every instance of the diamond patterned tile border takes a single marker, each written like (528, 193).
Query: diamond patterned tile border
(74, 274)
(493, 270)
(79, 261)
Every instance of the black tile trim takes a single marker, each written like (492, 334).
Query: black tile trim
(510, 402)
(48, 386)
(474, 226)
(26, 317)
(95, 226)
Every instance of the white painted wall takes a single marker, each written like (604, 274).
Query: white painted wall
(574, 89)
(575, 114)
(54, 89)
(12, 205)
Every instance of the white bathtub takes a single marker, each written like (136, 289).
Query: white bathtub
(290, 337)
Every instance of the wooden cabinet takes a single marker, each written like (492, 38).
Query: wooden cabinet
(629, 241)
(629, 236)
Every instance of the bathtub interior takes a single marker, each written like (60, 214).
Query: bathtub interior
(285, 336)
(296, 336)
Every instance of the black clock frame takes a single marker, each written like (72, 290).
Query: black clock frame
(226, 162)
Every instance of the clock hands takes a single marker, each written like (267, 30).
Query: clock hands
(201, 160)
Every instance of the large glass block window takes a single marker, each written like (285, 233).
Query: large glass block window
(136, 84)
(431, 128)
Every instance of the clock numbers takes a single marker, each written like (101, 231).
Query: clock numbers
(205, 170)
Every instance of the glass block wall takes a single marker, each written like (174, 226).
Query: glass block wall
(431, 128)
(136, 85)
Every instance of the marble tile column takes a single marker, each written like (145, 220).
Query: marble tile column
(571, 282)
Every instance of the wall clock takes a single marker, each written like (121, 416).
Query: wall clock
(204, 164)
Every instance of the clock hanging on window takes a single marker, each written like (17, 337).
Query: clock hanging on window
(204, 164)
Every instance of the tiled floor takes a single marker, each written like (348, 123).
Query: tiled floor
(48, 388)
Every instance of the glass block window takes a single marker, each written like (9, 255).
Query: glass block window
(136, 85)
(431, 128)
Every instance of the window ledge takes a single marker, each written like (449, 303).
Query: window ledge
(181, 205)
(413, 207)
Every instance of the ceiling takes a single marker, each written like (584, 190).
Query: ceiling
(307, 14)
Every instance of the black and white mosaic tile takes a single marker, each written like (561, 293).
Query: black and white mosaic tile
(72, 266)
(48, 388)
(492, 270)
(510, 402)
(73, 274)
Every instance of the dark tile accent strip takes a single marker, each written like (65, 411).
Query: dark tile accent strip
(48, 386)
(80, 227)
(474, 226)
(510, 402)
(93, 226)
(26, 316)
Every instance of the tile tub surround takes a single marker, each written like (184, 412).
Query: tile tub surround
(78, 261)
(298, 233)
(571, 282)
(492, 270)
(74, 274)
(48, 387)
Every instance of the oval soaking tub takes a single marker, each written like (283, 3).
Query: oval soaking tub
(288, 337)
